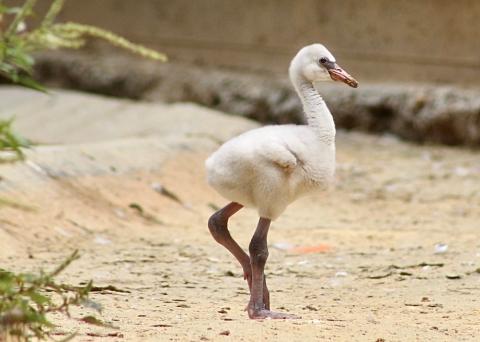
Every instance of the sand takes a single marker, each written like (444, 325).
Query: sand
(375, 273)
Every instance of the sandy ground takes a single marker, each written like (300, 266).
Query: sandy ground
(377, 277)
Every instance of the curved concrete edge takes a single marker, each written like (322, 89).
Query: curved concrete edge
(95, 135)
(421, 113)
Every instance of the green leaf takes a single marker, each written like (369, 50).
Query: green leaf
(29, 277)
(9, 10)
(29, 82)
(26, 301)
(20, 58)
(37, 317)
(5, 275)
(38, 298)
(7, 283)
(9, 71)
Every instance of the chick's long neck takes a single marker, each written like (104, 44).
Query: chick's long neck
(316, 111)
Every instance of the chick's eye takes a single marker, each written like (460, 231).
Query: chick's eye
(323, 60)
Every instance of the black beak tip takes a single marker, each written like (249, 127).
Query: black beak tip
(352, 83)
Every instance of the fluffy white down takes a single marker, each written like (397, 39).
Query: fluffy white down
(270, 167)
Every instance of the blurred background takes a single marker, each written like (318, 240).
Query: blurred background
(378, 40)
(418, 62)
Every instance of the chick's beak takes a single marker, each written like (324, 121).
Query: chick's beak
(338, 74)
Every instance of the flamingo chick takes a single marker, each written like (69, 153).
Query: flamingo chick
(269, 167)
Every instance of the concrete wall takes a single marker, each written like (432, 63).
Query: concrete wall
(377, 40)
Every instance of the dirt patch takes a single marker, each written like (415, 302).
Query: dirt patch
(379, 278)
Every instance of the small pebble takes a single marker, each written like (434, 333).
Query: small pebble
(441, 248)
(283, 246)
(453, 276)
(102, 240)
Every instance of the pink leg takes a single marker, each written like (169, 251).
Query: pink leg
(218, 225)
(257, 308)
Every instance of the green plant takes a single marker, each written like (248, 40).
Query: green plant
(17, 43)
(11, 142)
(27, 299)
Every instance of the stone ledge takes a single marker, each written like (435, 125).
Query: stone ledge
(421, 113)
